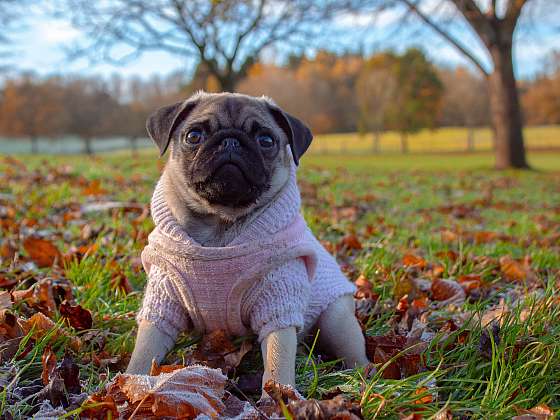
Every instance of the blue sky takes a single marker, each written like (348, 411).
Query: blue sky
(40, 46)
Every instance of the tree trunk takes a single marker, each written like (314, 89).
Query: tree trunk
(376, 136)
(506, 111)
(87, 144)
(134, 145)
(404, 143)
(34, 145)
(470, 139)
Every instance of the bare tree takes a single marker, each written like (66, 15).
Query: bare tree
(226, 36)
(32, 108)
(494, 22)
(465, 102)
(91, 110)
(376, 89)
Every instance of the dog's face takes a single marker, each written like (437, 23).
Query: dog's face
(228, 152)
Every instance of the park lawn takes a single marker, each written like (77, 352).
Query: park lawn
(398, 222)
(445, 139)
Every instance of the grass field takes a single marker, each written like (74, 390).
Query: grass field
(399, 224)
(447, 139)
(441, 140)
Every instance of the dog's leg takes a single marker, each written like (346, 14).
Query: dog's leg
(279, 356)
(151, 343)
(340, 333)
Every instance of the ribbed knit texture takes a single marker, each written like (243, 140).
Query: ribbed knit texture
(273, 275)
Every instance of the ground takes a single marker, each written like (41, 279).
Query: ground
(458, 268)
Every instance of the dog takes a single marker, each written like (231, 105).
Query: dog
(230, 249)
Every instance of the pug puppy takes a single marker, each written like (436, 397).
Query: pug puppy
(230, 249)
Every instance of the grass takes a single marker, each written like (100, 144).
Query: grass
(395, 206)
(447, 139)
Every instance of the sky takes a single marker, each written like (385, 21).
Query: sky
(40, 46)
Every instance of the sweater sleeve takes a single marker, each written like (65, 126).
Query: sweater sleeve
(161, 305)
(279, 300)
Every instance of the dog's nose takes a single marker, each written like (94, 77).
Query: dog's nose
(230, 143)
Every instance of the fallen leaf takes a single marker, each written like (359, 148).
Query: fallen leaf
(349, 242)
(41, 325)
(48, 361)
(337, 408)
(411, 260)
(539, 412)
(42, 251)
(5, 300)
(77, 316)
(514, 270)
(447, 292)
(183, 393)
(425, 396)
(216, 350)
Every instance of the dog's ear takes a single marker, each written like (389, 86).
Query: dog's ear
(161, 123)
(299, 135)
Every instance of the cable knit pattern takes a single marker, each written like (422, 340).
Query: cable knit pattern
(273, 275)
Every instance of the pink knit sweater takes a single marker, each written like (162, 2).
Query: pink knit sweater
(274, 275)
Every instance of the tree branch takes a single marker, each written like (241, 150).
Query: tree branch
(446, 35)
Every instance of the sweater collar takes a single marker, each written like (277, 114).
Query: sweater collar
(275, 217)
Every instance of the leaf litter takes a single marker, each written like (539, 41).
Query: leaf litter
(413, 302)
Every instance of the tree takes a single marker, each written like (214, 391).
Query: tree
(226, 36)
(494, 22)
(32, 109)
(375, 89)
(465, 101)
(418, 95)
(541, 99)
(91, 110)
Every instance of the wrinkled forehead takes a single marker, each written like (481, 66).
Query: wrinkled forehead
(239, 112)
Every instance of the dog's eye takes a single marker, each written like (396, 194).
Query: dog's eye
(194, 137)
(265, 141)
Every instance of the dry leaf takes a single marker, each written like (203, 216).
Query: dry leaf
(42, 251)
(5, 300)
(41, 325)
(539, 412)
(447, 292)
(350, 241)
(183, 393)
(411, 260)
(48, 361)
(216, 350)
(514, 270)
(336, 408)
(77, 316)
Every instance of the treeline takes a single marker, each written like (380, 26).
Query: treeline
(333, 93)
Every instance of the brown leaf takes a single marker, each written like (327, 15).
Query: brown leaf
(44, 294)
(411, 260)
(156, 370)
(539, 412)
(425, 397)
(98, 406)
(448, 291)
(216, 350)
(182, 394)
(77, 316)
(48, 361)
(10, 334)
(514, 270)
(42, 251)
(41, 325)
(279, 392)
(350, 241)
(5, 300)
(337, 408)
